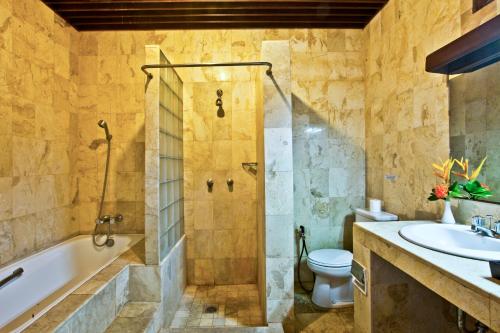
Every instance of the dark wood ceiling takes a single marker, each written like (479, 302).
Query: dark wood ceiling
(202, 14)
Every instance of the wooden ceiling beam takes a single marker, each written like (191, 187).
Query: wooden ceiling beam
(199, 12)
(86, 5)
(223, 25)
(212, 1)
(216, 18)
(210, 14)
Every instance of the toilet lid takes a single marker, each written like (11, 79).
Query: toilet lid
(331, 257)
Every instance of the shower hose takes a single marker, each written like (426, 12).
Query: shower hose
(108, 230)
(304, 249)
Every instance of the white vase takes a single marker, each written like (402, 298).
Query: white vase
(447, 213)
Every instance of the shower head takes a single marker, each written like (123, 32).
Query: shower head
(218, 103)
(104, 125)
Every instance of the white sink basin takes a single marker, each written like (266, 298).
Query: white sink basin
(453, 239)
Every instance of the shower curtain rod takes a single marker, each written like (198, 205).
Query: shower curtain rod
(269, 70)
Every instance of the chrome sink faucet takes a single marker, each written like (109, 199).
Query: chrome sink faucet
(479, 226)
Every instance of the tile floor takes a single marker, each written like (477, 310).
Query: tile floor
(311, 319)
(219, 306)
(238, 306)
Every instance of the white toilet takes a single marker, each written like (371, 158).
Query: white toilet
(333, 287)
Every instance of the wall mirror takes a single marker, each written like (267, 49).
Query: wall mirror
(475, 123)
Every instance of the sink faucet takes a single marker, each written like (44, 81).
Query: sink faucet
(479, 226)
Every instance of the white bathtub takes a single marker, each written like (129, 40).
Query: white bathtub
(51, 275)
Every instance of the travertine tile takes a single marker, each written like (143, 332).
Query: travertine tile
(234, 306)
(58, 314)
(30, 108)
(144, 284)
(402, 98)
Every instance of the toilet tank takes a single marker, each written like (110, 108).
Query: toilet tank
(364, 215)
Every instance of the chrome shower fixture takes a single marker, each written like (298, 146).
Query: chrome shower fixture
(218, 103)
(102, 124)
(105, 219)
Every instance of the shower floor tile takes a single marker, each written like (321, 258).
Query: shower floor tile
(219, 306)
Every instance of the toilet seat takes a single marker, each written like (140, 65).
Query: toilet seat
(330, 258)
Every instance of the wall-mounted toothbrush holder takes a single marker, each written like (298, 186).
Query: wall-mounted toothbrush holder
(250, 167)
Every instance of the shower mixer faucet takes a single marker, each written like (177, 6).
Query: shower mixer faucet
(210, 184)
(109, 219)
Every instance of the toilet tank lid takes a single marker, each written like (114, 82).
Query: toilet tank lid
(376, 216)
(331, 257)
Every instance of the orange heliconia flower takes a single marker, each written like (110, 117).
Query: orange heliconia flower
(464, 165)
(441, 191)
(443, 171)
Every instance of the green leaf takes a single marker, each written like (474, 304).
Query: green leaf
(454, 187)
(456, 195)
(432, 197)
(481, 195)
(455, 191)
(472, 186)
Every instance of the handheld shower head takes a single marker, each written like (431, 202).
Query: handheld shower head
(102, 124)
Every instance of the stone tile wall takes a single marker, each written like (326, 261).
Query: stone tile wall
(163, 283)
(407, 108)
(328, 135)
(174, 280)
(38, 104)
(111, 88)
(278, 175)
(470, 20)
(261, 218)
(220, 225)
(152, 159)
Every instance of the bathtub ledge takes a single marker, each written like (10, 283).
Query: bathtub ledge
(91, 297)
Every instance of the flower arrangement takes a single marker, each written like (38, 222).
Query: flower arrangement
(470, 189)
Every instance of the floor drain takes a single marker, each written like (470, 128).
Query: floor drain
(210, 309)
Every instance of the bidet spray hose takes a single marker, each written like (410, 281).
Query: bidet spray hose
(304, 248)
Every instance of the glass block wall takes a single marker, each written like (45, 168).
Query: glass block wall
(171, 186)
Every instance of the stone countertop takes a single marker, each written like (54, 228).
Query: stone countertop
(474, 274)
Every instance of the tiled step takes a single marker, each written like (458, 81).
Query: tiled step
(137, 317)
(272, 328)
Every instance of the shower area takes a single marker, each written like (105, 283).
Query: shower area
(206, 181)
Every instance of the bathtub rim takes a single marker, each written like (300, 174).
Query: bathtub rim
(71, 290)
(67, 240)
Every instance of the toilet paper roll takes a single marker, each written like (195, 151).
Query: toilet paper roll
(375, 205)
